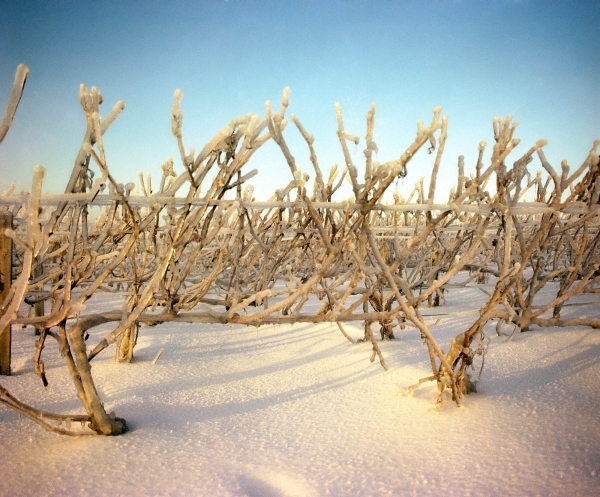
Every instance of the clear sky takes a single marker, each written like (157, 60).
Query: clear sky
(538, 60)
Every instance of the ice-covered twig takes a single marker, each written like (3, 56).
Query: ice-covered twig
(14, 99)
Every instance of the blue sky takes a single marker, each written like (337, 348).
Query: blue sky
(537, 60)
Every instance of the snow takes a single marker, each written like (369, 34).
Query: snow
(300, 411)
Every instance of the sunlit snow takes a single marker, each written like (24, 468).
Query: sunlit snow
(300, 411)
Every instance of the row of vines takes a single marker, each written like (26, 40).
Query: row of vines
(201, 249)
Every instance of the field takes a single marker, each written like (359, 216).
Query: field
(304, 345)
(297, 410)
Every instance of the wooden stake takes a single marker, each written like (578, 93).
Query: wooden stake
(5, 282)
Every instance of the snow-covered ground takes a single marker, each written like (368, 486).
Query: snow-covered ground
(300, 411)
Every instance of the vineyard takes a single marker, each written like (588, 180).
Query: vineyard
(197, 247)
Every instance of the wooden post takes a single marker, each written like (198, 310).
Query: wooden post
(5, 282)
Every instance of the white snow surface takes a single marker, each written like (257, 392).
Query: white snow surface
(300, 411)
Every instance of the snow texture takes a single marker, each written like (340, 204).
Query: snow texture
(300, 411)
